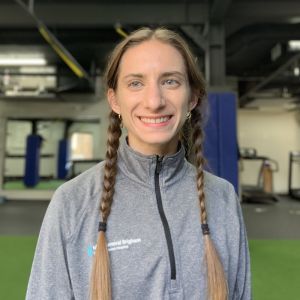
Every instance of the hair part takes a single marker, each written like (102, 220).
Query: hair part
(100, 277)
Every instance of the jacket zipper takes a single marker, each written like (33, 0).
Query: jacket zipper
(163, 217)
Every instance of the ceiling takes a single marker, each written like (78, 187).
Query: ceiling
(87, 29)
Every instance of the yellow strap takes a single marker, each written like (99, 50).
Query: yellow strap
(62, 55)
(121, 32)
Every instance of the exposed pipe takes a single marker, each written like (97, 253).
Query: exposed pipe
(249, 35)
(244, 98)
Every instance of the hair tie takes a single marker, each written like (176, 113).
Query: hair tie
(102, 226)
(205, 229)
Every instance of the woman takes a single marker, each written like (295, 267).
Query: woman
(153, 241)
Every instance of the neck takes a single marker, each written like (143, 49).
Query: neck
(156, 149)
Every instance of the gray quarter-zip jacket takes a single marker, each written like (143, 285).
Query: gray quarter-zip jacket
(154, 234)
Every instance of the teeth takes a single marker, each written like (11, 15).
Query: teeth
(155, 120)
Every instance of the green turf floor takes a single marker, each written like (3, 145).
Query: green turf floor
(42, 185)
(15, 262)
(275, 268)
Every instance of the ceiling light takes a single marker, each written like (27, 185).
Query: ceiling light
(294, 45)
(296, 71)
(22, 61)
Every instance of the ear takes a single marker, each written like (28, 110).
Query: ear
(193, 102)
(112, 100)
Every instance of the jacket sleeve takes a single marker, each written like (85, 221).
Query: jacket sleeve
(50, 278)
(243, 281)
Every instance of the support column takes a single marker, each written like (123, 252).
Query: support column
(215, 65)
(220, 146)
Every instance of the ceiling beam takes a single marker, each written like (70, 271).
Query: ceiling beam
(265, 11)
(249, 35)
(246, 98)
(85, 15)
(219, 10)
(196, 36)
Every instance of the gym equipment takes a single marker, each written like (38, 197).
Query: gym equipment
(263, 191)
(294, 158)
(63, 164)
(63, 157)
(32, 160)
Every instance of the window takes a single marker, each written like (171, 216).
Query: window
(81, 146)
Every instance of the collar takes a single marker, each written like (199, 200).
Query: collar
(141, 168)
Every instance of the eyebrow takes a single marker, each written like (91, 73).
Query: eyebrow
(165, 74)
(174, 73)
(135, 75)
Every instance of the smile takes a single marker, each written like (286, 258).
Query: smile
(155, 120)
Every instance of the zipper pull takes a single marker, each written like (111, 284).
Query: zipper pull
(159, 160)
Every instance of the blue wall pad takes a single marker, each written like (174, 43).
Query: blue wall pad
(220, 145)
(63, 157)
(32, 160)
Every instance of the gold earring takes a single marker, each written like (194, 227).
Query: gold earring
(120, 118)
(188, 115)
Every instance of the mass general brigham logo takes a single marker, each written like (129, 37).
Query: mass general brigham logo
(113, 246)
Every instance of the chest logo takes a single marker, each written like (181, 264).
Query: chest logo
(114, 246)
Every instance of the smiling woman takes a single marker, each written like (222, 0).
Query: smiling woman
(150, 195)
(153, 96)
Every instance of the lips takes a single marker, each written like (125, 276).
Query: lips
(156, 120)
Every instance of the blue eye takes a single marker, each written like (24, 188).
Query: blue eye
(171, 82)
(135, 84)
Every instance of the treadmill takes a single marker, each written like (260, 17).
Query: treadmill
(262, 192)
(294, 159)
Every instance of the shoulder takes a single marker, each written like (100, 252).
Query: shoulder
(216, 189)
(221, 198)
(88, 182)
(212, 183)
(75, 197)
(217, 185)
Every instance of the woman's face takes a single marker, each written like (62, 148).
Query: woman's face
(153, 96)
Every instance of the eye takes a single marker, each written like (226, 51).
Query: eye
(134, 84)
(171, 82)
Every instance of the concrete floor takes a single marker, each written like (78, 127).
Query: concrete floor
(277, 220)
(280, 220)
(21, 217)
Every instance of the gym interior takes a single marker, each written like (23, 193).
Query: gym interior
(54, 115)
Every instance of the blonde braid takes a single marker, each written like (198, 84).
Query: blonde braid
(110, 168)
(100, 276)
(216, 279)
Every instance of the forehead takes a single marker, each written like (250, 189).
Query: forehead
(151, 56)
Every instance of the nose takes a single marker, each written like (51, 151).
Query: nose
(154, 99)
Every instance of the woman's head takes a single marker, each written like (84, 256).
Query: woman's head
(153, 82)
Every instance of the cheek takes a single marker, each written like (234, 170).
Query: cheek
(185, 102)
(127, 107)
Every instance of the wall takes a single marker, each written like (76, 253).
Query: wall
(14, 133)
(274, 134)
(81, 108)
